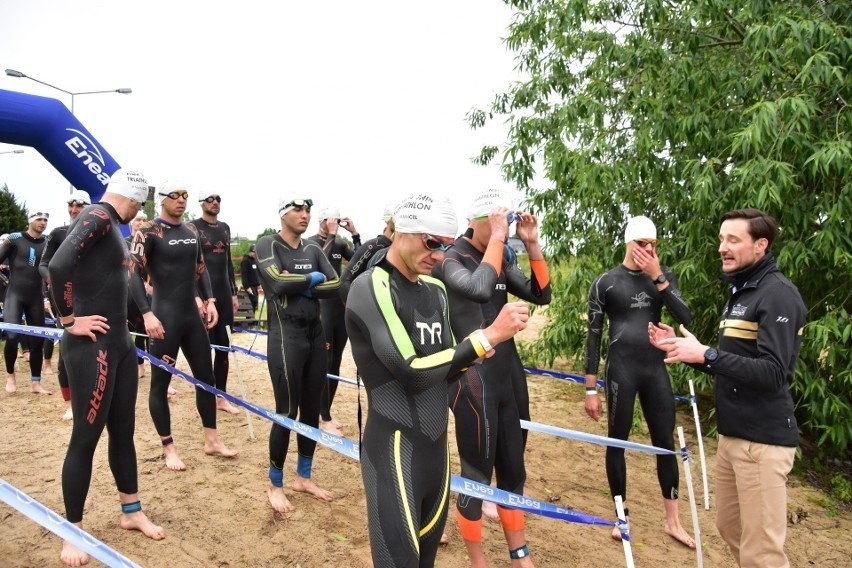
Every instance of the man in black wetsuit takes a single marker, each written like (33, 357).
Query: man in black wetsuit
(176, 318)
(398, 322)
(24, 297)
(250, 277)
(215, 238)
(336, 250)
(631, 296)
(89, 277)
(479, 272)
(135, 321)
(295, 274)
(361, 258)
(76, 202)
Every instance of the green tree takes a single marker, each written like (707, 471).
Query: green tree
(682, 111)
(13, 216)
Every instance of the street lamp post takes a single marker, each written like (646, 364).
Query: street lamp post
(18, 74)
(18, 151)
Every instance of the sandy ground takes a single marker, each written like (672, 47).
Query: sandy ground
(216, 513)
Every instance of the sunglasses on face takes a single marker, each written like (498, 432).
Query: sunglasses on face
(212, 198)
(433, 243)
(176, 194)
(77, 202)
(644, 243)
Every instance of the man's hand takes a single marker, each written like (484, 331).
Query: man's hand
(347, 224)
(647, 261)
(658, 332)
(331, 225)
(153, 326)
(235, 303)
(87, 326)
(686, 349)
(593, 401)
(513, 317)
(527, 228)
(211, 315)
(498, 221)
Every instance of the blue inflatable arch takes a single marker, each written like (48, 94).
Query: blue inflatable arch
(48, 126)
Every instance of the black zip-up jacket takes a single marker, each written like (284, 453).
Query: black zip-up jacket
(760, 335)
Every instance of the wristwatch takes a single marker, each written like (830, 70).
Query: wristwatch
(710, 356)
(661, 279)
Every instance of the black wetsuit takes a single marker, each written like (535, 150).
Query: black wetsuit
(54, 239)
(90, 271)
(135, 321)
(360, 262)
(406, 354)
(171, 255)
(630, 300)
(487, 413)
(295, 344)
(332, 313)
(216, 247)
(250, 278)
(24, 296)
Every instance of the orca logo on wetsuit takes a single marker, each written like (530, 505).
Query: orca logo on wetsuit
(100, 387)
(337, 256)
(434, 329)
(183, 241)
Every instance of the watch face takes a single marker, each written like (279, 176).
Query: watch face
(711, 355)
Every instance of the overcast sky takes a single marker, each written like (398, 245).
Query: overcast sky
(350, 103)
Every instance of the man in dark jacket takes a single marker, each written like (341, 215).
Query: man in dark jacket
(760, 335)
(249, 276)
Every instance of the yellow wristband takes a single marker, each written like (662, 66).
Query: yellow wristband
(477, 346)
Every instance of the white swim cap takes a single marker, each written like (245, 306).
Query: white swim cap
(389, 209)
(288, 202)
(38, 215)
(328, 212)
(79, 195)
(169, 186)
(130, 184)
(423, 213)
(205, 193)
(141, 215)
(488, 200)
(640, 227)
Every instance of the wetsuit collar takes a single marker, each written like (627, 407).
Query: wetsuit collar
(169, 223)
(110, 209)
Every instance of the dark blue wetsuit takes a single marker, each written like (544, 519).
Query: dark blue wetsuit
(633, 366)
(216, 247)
(360, 262)
(406, 354)
(295, 344)
(89, 275)
(54, 239)
(24, 296)
(485, 400)
(332, 310)
(171, 255)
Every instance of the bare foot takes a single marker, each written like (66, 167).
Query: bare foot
(11, 385)
(46, 368)
(225, 406)
(72, 556)
(141, 370)
(304, 485)
(445, 539)
(139, 521)
(217, 448)
(69, 414)
(278, 500)
(489, 510)
(616, 533)
(330, 428)
(173, 461)
(27, 356)
(171, 392)
(35, 387)
(679, 534)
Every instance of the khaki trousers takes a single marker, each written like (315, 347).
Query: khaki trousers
(751, 500)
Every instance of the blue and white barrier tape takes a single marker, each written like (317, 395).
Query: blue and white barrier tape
(582, 380)
(593, 438)
(37, 512)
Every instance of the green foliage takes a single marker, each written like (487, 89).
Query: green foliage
(13, 216)
(683, 111)
(267, 231)
(841, 488)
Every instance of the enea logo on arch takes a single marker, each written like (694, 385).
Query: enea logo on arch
(85, 149)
